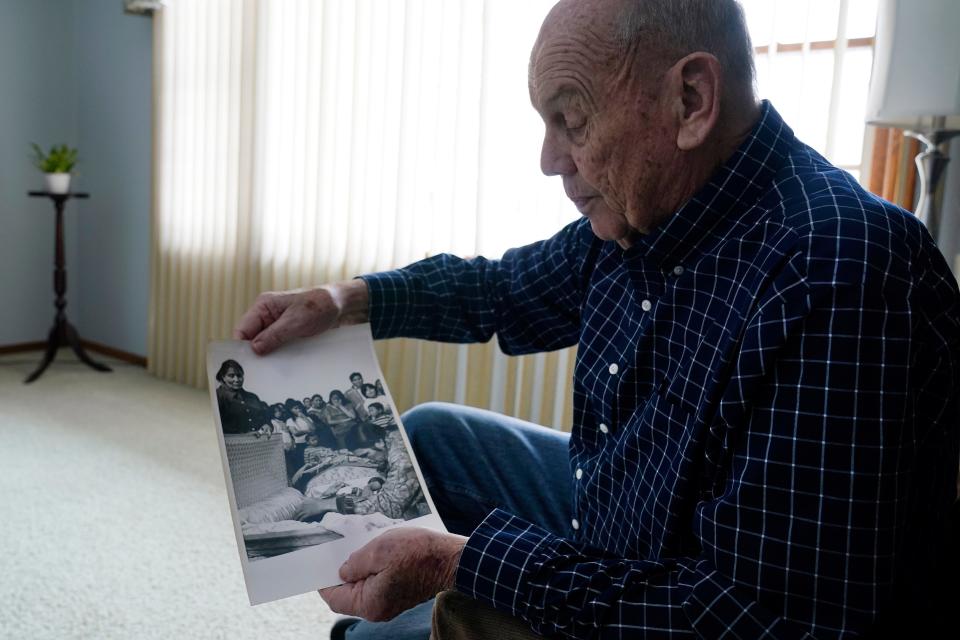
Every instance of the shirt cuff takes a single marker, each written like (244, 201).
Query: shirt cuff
(391, 298)
(496, 561)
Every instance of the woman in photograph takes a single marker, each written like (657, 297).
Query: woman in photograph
(315, 408)
(341, 418)
(299, 424)
(241, 411)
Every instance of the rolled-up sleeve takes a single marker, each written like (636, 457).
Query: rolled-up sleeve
(531, 298)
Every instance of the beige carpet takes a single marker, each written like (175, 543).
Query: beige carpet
(113, 514)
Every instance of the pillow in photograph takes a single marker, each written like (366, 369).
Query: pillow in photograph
(280, 506)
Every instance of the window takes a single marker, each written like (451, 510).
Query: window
(813, 62)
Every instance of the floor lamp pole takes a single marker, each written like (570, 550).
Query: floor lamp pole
(931, 165)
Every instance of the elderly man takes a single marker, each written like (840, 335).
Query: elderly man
(764, 440)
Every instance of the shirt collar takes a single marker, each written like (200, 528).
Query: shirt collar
(732, 190)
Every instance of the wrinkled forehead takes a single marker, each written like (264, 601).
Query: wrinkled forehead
(576, 43)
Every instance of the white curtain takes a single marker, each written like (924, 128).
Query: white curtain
(306, 141)
(813, 61)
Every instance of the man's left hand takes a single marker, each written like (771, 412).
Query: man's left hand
(394, 572)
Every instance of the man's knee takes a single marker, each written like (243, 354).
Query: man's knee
(425, 423)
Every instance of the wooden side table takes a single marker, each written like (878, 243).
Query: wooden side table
(63, 333)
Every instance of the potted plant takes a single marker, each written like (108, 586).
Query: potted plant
(56, 165)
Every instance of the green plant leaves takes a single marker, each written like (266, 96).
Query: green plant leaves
(60, 158)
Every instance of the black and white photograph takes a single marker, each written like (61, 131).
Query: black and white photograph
(315, 458)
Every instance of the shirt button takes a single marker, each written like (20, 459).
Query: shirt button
(678, 270)
(579, 473)
(613, 369)
(646, 305)
(603, 428)
(575, 524)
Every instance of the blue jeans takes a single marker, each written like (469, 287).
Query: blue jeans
(472, 462)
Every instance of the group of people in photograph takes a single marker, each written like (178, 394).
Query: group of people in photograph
(342, 449)
(349, 419)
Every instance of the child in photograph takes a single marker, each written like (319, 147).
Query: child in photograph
(370, 395)
(374, 484)
(278, 419)
(361, 487)
(316, 454)
(275, 424)
(315, 458)
(299, 426)
(367, 430)
(372, 391)
(381, 416)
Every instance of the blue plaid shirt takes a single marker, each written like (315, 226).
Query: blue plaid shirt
(765, 419)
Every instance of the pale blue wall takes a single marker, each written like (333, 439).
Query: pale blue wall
(37, 103)
(76, 71)
(113, 55)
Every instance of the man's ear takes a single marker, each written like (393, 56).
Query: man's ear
(696, 82)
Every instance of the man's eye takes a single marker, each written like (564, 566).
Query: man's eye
(574, 125)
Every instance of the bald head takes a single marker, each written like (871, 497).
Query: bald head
(672, 29)
(649, 35)
(638, 104)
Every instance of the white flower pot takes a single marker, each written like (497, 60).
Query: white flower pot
(58, 182)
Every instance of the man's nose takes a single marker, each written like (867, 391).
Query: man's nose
(555, 158)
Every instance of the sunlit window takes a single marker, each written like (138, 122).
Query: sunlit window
(357, 135)
(813, 62)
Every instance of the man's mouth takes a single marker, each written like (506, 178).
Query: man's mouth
(583, 203)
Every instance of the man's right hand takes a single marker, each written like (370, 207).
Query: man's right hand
(277, 317)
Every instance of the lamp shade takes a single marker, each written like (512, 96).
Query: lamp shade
(916, 65)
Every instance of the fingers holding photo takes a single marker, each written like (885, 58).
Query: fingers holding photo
(277, 317)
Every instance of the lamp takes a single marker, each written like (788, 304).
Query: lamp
(142, 7)
(916, 85)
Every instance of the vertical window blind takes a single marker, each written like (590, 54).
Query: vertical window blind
(304, 141)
